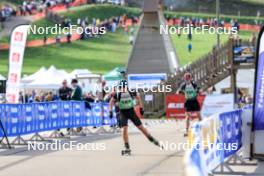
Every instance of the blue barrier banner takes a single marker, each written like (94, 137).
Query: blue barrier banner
(213, 140)
(231, 134)
(22, 119)
(258, 119)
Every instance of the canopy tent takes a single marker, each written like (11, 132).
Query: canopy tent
(34, 76)
(79, 72)
(50, 79)
(114, 75)
(2, 78)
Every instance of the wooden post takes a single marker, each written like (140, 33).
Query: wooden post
(233, 73)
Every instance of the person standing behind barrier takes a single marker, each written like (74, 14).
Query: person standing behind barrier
(65, 91)
(77, 91)
(190, 89)
(76, 95)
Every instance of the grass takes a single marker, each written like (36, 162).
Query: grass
(228, 7)
(99, 55)
(110, 51)
(226, 18)
(102, 12)
(202, 45)
(107, 11)
(91, 11)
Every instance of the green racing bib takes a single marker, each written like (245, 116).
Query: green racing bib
(126, 101)
(190, 92)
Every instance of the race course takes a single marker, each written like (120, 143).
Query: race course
(146, 159)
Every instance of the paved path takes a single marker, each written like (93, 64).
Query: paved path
(146, 159)
(13, 22)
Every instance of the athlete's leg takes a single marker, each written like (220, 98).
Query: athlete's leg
(124, 125)
(137, 122)
(188, 116)
(198, 114)
(148, 135)
(125, 135)
(144, 130)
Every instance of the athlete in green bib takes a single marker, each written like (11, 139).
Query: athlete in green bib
(190, 90)
(127, 100)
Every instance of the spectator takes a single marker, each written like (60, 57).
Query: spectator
(190, 47)
(76, 95)
(45, 40)
(77, 91)
(69, 37)
(58, 39)
(49, 97)
(65, 91)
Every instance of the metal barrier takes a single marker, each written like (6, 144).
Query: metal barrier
(213, 142)
(24, 119)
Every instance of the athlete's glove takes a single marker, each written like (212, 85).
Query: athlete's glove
(141, 111)
(111, 114)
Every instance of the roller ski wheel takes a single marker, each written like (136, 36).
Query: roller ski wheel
(126, 152)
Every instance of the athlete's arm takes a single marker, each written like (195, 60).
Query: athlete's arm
(181, 89)
(138, 98)
(111, 104)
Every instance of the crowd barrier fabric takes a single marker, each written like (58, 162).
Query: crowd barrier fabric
(175, 105)
(213, 141)
(22, 119)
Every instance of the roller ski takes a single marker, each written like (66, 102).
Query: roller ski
(126, 152)
(155, 142)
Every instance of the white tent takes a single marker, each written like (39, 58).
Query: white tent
(51, 79)
(2, 78)
(79, 72)
(34, 76)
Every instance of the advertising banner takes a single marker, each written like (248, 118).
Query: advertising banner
(259, 89)
(217, 103)
(16, 54)
(213, 140)
(258, 113)
(145, 80)
(244, 54)
(175, 105)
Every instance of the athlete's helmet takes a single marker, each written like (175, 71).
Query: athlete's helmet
(187, 76)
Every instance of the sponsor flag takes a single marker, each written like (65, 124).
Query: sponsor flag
(16, 54)
(258, 117)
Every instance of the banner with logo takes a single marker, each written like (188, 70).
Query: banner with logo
(16, 54)
(141, 81)
(258, 113)
(217, 103)
(259, 88)
(212, 141)
(175, 105)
